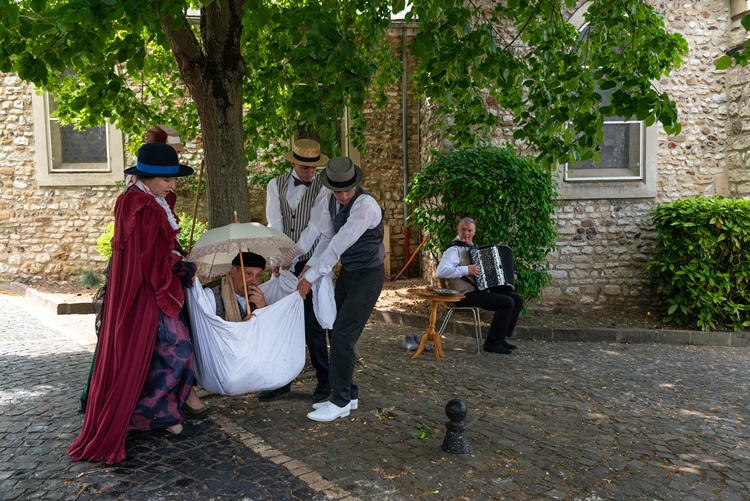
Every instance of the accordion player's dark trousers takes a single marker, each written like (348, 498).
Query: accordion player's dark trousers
(506, 305)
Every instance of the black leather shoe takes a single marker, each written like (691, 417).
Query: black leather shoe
(265, 396)
(508, 345)
(496, 348)
(322, 392)
(188, 430)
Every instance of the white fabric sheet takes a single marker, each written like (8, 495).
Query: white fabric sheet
(263, 353)
(324, 303)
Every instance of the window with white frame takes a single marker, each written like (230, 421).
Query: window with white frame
(69, 157)
(627, 164)
(738, 7)
(622, 152)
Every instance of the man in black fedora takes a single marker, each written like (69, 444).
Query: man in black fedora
(351, 231)
(290, 199)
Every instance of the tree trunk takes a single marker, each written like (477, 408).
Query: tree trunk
(226, 173)
(213, 69)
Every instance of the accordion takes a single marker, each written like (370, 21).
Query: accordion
(495, 266)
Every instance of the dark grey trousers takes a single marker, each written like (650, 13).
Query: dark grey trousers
(356, 293)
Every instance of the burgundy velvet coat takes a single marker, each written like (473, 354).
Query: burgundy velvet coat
(140, 285)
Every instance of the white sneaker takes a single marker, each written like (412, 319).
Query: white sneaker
(329, 412)
(353, 403)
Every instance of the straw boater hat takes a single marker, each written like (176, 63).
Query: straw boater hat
(341, 174)
(158, 160)
(306, 152)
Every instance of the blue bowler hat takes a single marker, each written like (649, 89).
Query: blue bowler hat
(158, 160)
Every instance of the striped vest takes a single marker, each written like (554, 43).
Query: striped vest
(295, 221)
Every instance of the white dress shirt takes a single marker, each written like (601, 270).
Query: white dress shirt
(365, 215)
(449, 267)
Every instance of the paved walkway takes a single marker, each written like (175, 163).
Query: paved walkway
(555, 420)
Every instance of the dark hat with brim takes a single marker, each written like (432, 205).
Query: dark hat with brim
(341, 174)
(250, 260)
(158, 160)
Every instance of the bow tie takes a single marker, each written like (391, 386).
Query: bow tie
(298, 182)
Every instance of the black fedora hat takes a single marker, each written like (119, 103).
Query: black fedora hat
(158, 160)
(341, 174)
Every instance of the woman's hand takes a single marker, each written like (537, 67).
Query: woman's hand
(473, 270)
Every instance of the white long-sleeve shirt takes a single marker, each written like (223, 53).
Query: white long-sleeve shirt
(449, 264)
(364, 215)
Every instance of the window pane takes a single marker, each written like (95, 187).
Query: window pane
(620, 155)
(76, 150)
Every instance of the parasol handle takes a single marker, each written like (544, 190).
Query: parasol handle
(242, 270)
(195, 206)
(244, 283)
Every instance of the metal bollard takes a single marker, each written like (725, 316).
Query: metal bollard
(456, 441)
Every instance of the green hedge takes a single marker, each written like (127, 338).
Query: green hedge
(104, 241)
(510, 197)
(702, 261)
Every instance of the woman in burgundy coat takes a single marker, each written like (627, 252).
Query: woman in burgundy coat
(143, 371)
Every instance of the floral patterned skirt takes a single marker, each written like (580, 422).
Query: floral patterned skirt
(169, 378)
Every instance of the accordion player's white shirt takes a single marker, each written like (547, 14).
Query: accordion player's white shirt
(450, 264)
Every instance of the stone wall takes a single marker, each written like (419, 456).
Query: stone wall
(45, 233)
(383, 161)
(603, 245)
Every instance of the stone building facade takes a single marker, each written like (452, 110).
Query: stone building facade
(605, 232)
(605, 241)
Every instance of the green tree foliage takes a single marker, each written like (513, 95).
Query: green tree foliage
(702, 261)
(543, 71)
(244, 73)
(510, 197)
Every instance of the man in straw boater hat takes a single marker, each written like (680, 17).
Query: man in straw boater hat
(290, 200)
(351, 230)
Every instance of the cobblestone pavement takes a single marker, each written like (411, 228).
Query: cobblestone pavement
(568, 420)
(43, 364)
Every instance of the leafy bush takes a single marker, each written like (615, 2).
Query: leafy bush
(510, 197)
(104, 241)
(702, 261)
